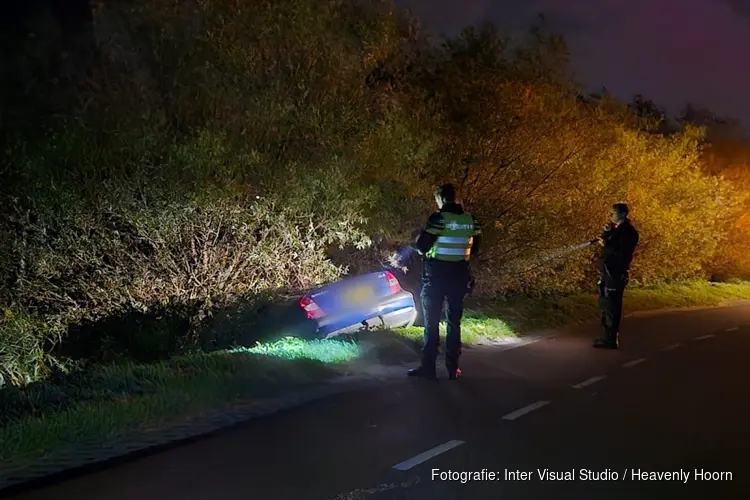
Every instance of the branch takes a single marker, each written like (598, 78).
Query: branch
(547, 130)
(541, 183)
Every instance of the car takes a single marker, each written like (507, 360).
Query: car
(370, 300)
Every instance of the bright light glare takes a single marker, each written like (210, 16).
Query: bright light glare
(325, 351)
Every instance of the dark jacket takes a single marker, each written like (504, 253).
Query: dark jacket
(619, 245)
(426, 240)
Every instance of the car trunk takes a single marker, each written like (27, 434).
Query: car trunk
(352, 295)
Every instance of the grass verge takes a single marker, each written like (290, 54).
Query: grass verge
(490, 319)
(109, 401)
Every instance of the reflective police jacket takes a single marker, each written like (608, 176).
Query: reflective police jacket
(450, 235)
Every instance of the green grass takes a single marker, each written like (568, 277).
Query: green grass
(494, 319)
(325, 351)
(475, 327)
(699, 293)
(133, 397)
(583, 307)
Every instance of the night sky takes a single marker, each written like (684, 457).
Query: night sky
(671, 51)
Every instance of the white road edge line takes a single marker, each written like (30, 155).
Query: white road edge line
(704, 337)
(423, 457)
(732, 329)
(590, 381)
(672, 347)
(526, 409)
(630, 364)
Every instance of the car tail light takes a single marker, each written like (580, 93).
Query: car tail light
(393, 282)
(311, 308)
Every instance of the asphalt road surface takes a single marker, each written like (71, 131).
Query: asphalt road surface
(673, 400)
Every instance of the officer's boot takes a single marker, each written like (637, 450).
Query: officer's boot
(423, 372)
(609, 341)
(453, 370)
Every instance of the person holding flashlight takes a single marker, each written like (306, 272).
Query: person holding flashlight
(619, 241)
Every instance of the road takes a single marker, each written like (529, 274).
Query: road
(673, 399)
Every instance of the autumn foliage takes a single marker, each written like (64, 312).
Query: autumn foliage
(182, 157)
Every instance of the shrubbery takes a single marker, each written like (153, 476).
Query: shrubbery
(211, 155)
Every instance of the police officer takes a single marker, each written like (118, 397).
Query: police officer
(448, 242)
(619, 240)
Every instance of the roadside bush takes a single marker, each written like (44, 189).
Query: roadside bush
(732, 259)
(88, 260)
(206, 166)
(25, 343)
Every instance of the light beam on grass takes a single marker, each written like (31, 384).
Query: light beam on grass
(326, 351)
(475, 327)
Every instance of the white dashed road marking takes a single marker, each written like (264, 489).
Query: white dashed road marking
(590, 381)
(630, 364)
(671, 347)
(704, 337)
(733, 329)
(526, 409)
(423, 457)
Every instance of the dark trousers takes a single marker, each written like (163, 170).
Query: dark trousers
(610, 303)
(443, 281)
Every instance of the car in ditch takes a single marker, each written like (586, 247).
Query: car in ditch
(372, 300)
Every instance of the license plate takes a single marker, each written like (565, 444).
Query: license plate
(359, 296)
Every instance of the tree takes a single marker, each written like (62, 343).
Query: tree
(718, 128)
(652, 117)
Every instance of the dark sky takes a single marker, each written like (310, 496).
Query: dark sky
(671, 51)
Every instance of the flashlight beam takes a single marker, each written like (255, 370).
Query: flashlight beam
(564, 253)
